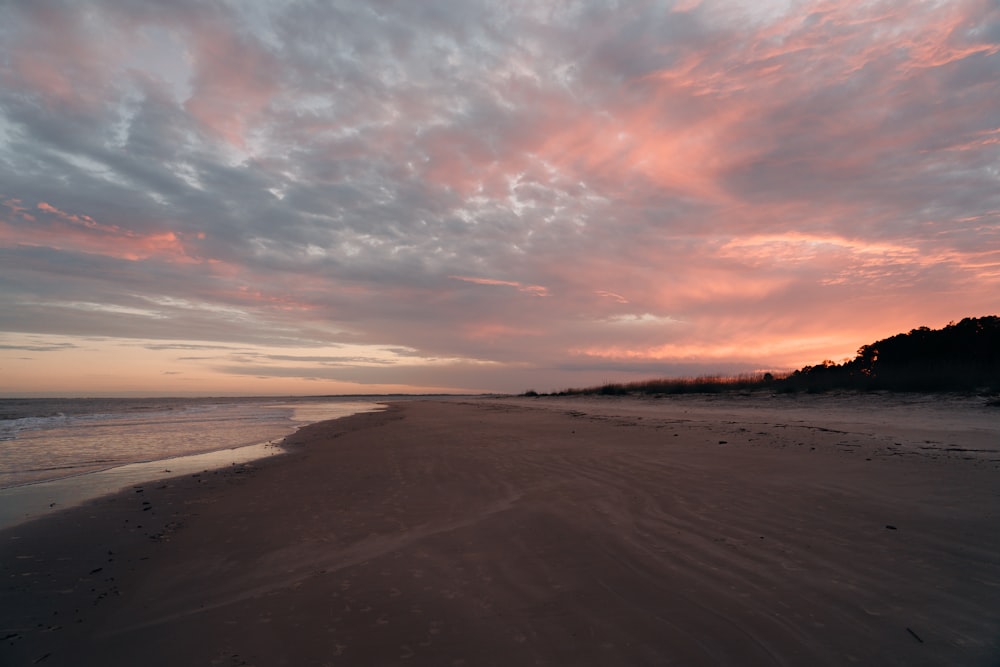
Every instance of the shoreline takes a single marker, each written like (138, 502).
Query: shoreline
(34, 498)
(505, 531)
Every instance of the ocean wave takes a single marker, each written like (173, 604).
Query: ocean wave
(10, 428)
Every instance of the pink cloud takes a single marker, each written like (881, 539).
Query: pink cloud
(80, 59)
(14, 206)
(234, 83)
(59, 60)
(494, 332)
(611, 295)
(703, 116)
(61, 230)
(80, 220)
(281, 301)
(535, 290)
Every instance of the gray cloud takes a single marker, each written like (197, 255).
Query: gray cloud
(39, 348)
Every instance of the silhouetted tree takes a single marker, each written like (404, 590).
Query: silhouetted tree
(958, 357)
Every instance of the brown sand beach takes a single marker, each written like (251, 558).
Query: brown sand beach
(542, 532)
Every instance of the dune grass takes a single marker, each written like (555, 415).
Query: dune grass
(812, 380)
(703, 384)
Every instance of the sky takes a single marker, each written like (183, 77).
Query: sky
(285, 197)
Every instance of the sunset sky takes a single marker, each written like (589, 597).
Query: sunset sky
(283, 197)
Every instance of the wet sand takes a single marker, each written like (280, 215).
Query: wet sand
(538, 532)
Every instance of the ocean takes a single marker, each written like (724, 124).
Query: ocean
(56, 453)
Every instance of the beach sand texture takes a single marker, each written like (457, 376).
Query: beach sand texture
(533, 532)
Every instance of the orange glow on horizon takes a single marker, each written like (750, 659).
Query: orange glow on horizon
(74, 366)
(778, 354)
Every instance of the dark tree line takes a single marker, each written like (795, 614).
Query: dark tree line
(961, 356)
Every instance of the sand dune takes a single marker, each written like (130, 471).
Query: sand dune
(540, 531)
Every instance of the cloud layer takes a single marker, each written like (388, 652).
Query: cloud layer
(490, 196)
